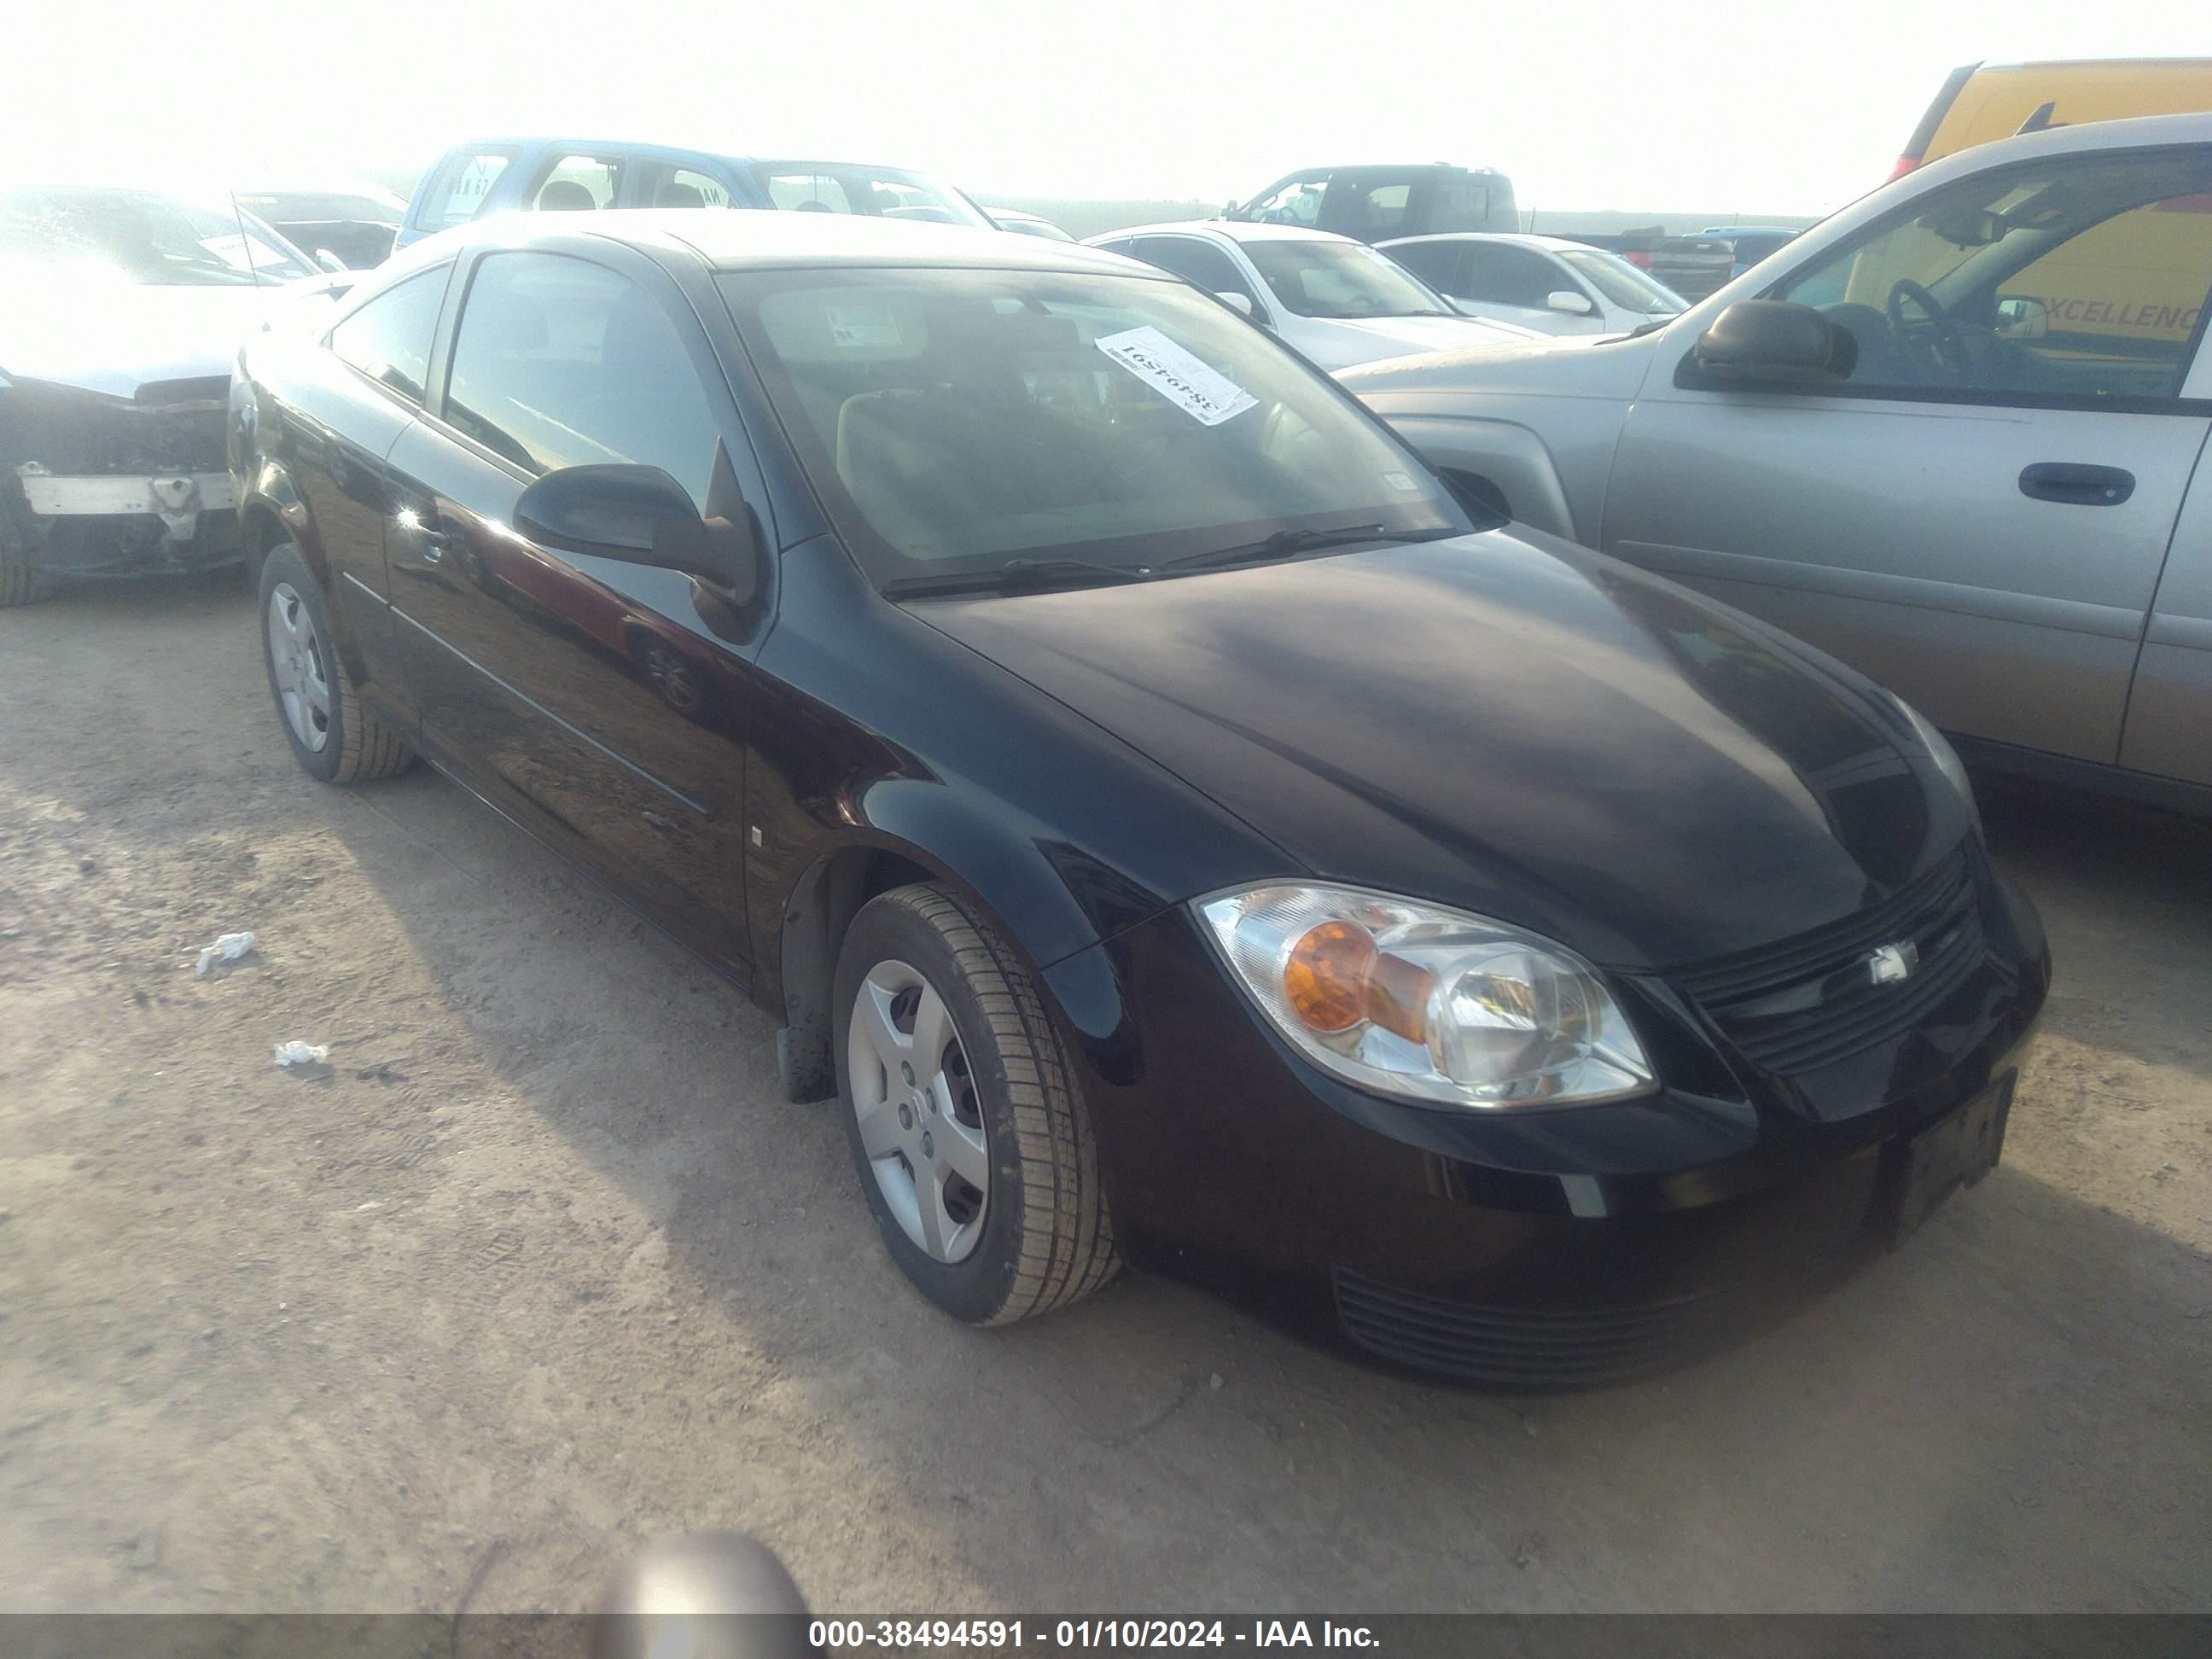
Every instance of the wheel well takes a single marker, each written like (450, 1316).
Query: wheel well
(822, 907)
(260, 530)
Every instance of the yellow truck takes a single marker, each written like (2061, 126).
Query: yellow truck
(2133, 284)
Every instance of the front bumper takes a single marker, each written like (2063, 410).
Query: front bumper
(1539, 1250)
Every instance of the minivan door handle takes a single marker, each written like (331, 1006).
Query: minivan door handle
(2072, 484)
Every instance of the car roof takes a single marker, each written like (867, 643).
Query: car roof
(1234, 230)
(1511, 238)
(663, 147)
(764, 239)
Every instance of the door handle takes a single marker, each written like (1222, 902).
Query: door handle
(432, 544)
(2072, 484)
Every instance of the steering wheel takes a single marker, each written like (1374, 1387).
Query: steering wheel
(1935, 335)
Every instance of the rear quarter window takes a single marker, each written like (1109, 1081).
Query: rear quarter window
(458, 189)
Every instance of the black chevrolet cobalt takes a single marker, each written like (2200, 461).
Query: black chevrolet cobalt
(1168, 822)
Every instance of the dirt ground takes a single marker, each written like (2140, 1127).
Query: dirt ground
(545, 1267)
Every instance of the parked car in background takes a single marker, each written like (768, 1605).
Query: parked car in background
(1162, 819)
(120, 311)
(1028, 224)
(1750, 243)
(582, 175)
(1539, 283)
(1337, 301)
(1979, 102)
(356, 224)
(1949, 469)
(1693, 266)
(1370, 203)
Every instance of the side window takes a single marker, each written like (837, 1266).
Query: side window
(560, 363)
(1293, 202)
(2086, 276)
(1459, 201)
(1125, 245)
(1434, 263)
(666, 186)
(577, 184)
(456, 192)
(807, 193)
(388, 339)
(1367, 208)
(1197, 262)
(1509, 276)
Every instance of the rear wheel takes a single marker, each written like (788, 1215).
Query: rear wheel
(974, 1149)
(333, 735)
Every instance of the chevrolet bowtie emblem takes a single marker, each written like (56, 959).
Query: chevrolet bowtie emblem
(1888, 964)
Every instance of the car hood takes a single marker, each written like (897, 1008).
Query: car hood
(1507, 724)
(1564, 366)
(114, 340)
(1340, 340)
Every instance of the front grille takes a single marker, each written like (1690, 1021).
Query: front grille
(1809, 1001)
(171, 426)
(1525, 1347)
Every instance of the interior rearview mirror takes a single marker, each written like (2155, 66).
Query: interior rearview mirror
(1770, 340)
(1969, 227)
(2021, 317)
(1566, 299)
(1238, 302)
(641, 515)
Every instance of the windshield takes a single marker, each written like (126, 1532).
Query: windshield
(1623, 284)
(151, 239)
(1340, 280)
(884, 192)
(954, 421)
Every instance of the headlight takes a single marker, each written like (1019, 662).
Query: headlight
(1436, 1005)
(1947, 758)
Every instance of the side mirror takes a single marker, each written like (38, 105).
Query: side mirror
(1237, 302)
(1465, 308)
(1567, 299)
(641, 515)
(329, 261)
(2022, 318)
(1770, 340)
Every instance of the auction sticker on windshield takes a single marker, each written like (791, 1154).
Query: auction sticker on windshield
(1207, 397)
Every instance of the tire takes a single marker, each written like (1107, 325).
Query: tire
(335, 737)
(1040, 1237)
(19, 583)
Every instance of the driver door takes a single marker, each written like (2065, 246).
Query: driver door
(1978, 515)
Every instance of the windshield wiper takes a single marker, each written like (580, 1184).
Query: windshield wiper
(1016, 576)
(1285, 543)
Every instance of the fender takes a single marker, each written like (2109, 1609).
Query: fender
(869, 768)
(1510, 458)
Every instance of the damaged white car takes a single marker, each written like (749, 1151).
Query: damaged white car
(120, 311)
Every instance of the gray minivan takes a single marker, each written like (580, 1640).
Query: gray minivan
(1956, 435)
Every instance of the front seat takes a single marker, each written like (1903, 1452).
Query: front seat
(566, 196)
(679, 196)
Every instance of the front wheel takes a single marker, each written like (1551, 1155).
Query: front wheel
(974, 1150)
(334, 735)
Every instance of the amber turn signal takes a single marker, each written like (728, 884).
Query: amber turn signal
(1335, 978)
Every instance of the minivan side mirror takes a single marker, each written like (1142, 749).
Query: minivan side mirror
(1769, 340)
(1566, 299)
(641, 515)
(2020, 316)
(1238, 302)
(329, 261)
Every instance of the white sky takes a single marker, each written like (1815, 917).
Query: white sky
(1777, 107)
